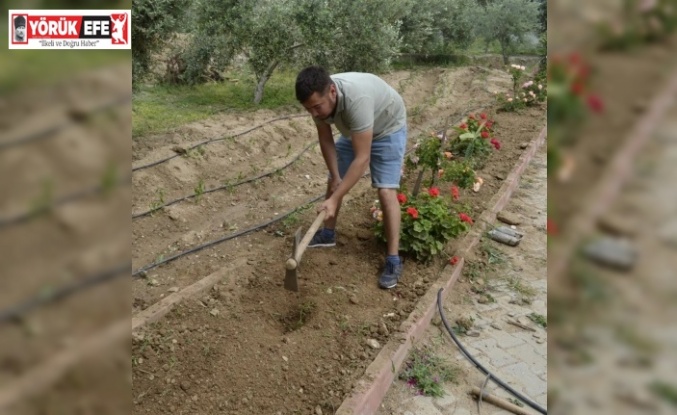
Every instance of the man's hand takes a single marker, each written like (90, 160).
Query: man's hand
(329, 206)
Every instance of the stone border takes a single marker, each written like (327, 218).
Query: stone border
(611, 183)
(374, 384)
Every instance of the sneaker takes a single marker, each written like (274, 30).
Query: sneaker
(391, 275)
(322, 240)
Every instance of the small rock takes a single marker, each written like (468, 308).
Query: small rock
(185, 386)
(329, 291)
(483, 299)
(617, 226)
(363, 235)
(499, 176)
(373, 344)
(285, 358)
(383, 329)
(496, 326)
(153, 282)
(318, 410)
(214, 312)
(251, 262)
(508, 218)
(473, 333)
(173, 290)
(354, 300)
(524, 145)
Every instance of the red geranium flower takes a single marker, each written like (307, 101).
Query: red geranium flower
(483, 116)
(577, 88)
(595, 103)
(454, 192)
(465, 218)
(463, 126)
(453, 260)
(489, 124)
(496, 143)
(402, 198)
(434, 191)
(412, 212)
(485, 134)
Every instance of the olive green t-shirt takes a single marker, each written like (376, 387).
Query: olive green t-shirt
(365, 102)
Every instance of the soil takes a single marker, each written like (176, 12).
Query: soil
(248, 345)
(77, 239)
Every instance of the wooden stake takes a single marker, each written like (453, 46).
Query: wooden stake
(501, 403)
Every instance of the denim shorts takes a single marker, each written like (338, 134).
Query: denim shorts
(387, 156)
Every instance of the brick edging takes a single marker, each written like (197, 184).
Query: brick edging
(374, 384)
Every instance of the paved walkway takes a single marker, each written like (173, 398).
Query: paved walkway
(519, 286)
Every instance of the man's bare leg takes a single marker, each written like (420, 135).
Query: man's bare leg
(391, 218)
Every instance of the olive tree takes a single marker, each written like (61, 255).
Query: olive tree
(508, 21)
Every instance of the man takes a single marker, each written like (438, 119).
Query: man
(20, 29)
(372, 120)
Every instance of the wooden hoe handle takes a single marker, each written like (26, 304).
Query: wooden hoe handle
(292, 263)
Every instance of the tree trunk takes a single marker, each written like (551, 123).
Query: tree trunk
(261, 83)
(417, 186)
(258, 95)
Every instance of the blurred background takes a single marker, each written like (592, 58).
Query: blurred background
(612, 212)
(65, 152)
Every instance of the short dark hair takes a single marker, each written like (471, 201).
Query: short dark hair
(310, 80)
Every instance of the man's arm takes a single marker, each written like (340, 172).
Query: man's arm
(328, 148)
(362, 149)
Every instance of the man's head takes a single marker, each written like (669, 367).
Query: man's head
(20, 27)
(316, 92)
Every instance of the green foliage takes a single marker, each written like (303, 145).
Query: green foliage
(428, 223)
(524, 94)
(474, 138)
(460, 173)
(436, 26)
(508, 22)
(154, 23)
(427, 372)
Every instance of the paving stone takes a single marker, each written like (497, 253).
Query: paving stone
(506, 340)
(462, 411)
(533, 385)
(527, 354)
(496, 354)
(445, 401)
(424, 406)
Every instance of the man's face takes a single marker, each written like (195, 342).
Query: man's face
(20, 32)
(321, 106)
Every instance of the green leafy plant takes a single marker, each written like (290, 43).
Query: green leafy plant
(474, 139)
(459, 172)
(428, 222)
(426, 373)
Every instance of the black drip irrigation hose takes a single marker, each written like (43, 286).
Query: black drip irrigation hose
(228, 186)
(51, 131)
(26, 216)
(143, 270)
(502, 384)
(155, 163)
(17, 311)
